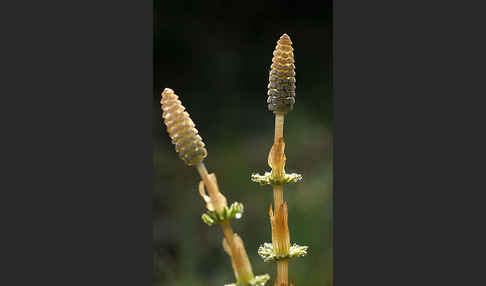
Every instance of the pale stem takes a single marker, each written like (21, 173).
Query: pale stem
(279, 123)
(282, 265)
(236, 256)
(228, 234)
(203, 172)
(227, 230)
(278, 195)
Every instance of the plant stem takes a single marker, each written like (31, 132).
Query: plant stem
(227, 230)
(279, 123)
(241, 264)
(203, 172)
(228, 234)
(282, 265)
(217, 199)
(282, 272)
(278, 195)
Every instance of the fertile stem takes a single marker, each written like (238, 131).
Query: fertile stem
(279, 123)
(282, 272)
(282, 265)
(227, 230)
(203, 172)
(278, 195)
(239, 258)
(228, 234)
(192, 151)
(281, 99)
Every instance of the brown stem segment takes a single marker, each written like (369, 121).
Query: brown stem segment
(282, 265)
(280, 233)
(278, 195)
(282, 272)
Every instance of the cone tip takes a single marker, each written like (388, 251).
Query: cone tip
(285, 39)
(167, 90)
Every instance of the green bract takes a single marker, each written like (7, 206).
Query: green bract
(269, 179)
(259, 280)
(268, 255)
(213, 217)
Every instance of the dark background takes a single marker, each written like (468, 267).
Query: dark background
(216, 56)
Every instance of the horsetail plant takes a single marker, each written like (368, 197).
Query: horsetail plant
(192, 151)
(281, 99)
